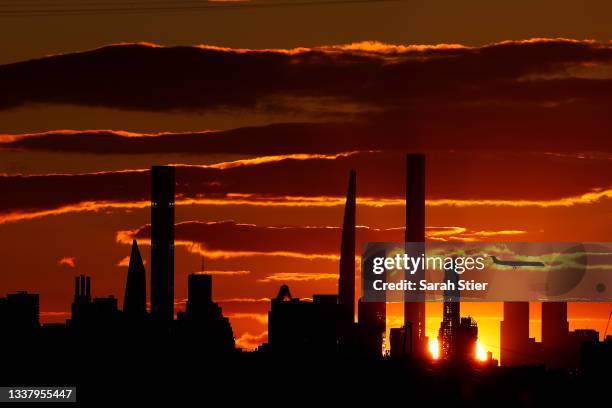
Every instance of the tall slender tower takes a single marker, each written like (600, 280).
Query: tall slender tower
(414, 311)
(346, 281)
(162, 243)
(135, 299)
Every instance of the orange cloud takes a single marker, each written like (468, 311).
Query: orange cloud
(255, 200)
(270, 159)
(586, 198)
(377, 47)
(297, 276)
(245, 300)
(126, 261)
(85, 206)
(227, 273)
(67, 261)
(230, 240)
(249, 342)
(259, 317)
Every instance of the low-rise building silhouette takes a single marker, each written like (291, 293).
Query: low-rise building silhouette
(202, 323)
(19, 313)
(298, 326)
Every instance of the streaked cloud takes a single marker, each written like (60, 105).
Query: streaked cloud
(125, 262)
(297, 276)
(249, 342)
(320, 181)
(229, 240)
(158, 78)
(69, 261)
(227, 273)
(259, 317)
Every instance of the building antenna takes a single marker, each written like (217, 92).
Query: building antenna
(607, 325)
(202, 264)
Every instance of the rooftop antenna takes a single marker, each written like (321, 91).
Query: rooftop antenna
(202, 264)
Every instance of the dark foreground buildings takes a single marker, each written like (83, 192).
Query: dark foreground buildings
(95, 318)
(202, 324)
(559, 347)
(326, 325)
(19, 313)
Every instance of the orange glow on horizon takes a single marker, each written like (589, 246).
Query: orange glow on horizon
(481, 353)
(434, 348)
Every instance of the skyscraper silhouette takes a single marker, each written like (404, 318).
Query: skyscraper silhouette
(202, 324)
(372, 314)
(467, 336)
(162, 243)
(135, 300)
(449, 328)
(555, 332)
(371, 327)
(199, 293)
(414, 311)
(346, 281)
(516, 346)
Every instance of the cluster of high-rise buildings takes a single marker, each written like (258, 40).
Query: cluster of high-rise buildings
(324, 325)
(202, 322)
(327, 323)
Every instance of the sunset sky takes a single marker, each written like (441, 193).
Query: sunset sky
(266, 109)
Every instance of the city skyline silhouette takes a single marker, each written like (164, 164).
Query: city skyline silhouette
(293, 324)
(322, 330)
(185, 190)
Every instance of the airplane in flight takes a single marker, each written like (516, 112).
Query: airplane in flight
(516, 264)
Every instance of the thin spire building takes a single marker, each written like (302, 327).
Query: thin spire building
(346, 281)
(414, 311)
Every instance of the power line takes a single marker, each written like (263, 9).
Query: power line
(25, 6)
(161, 6)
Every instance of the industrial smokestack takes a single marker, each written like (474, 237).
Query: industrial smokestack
(76, 288)
(82, 291)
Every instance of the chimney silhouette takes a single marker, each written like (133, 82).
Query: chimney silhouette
(82, 289)
(135, 299)
(77, 291)
(346, 280)
(414, 311)
(88, 287)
